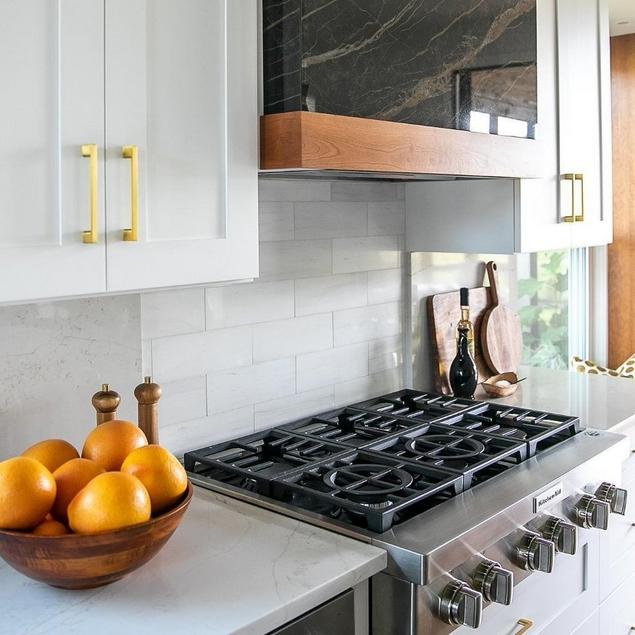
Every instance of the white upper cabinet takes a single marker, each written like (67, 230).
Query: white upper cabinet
(181, 139)
(136, 115)
(571, 205)
(52, 70)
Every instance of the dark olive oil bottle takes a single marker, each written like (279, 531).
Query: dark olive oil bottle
(463, 375)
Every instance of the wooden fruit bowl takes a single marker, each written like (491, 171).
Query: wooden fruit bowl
(85, 561)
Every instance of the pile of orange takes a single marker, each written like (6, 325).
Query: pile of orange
(119, 481)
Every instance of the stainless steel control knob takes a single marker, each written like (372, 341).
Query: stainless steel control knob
(592, 513)
(562, 533)
(494, 583)
(461, 605)
(615, 496)
(536, 553)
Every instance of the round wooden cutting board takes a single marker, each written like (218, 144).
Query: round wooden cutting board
(501, 333)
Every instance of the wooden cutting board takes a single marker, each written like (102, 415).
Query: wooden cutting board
(444, 312)
(501, 333)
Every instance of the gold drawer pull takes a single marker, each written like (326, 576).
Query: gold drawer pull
(132, 153)
(90, 151)
(571, 218)
(526, 625)
(580, 217)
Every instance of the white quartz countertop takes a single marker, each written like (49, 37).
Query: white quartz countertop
(601, 402)
(229, 568)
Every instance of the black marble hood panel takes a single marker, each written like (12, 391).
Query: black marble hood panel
(466, 64)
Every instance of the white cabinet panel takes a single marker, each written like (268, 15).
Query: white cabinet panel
(181, 86)
(51, 64)
(617, 613)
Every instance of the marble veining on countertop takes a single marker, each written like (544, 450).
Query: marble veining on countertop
(230, 568)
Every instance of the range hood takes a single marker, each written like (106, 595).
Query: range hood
(400, 89)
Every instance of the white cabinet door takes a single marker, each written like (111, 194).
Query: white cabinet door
(51, 65)
(617, 613)
(584, 119)
(181, 87)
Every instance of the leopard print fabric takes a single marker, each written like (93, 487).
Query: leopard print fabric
(627, 369)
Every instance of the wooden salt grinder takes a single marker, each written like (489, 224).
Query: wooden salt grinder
(148, 395)
(106, 402)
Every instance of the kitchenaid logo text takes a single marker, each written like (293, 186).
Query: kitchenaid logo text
(552, 495)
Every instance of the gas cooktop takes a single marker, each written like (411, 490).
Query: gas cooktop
(378, 463)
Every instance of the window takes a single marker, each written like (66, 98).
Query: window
(553, 306)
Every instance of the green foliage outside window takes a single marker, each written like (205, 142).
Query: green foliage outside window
(544, 310)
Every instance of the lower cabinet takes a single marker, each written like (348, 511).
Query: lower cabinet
(617, 613)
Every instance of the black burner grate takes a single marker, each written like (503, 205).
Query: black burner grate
(352, 427)
(413, 404)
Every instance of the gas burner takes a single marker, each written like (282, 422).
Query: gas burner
(445, 447)
(368, 483)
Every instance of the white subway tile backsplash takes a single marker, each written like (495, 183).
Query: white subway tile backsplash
(288, 190)
(385, 353)
(199, 353)
(387, 218)
(365, 191)
(237, 387)
(384, 286)
(366, 323)
(331, 366)
(275, 221)
(330, 293)
(238, 304)
(305, 404)
(365, 254)
(193, 434)
(349, 392)
(283, 338)
(295, 259)
(183, 399)
(172, 312)
(330, 220)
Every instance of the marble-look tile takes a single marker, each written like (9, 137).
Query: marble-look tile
(365, 254)
(385, 353)
(331, 366)
(387, 218)
(195, 433)
(172, 312)
(364, 191)
(238, 304)
(236, 387)
(183, 356)
(54, 356)
(356, 390)
(281, 190)
(366, 323)
(384, 286)
(295, 259)
(183, 400)
(330, 220)
(275, 221)
(304, 404)
(330, 293)
(283, 338)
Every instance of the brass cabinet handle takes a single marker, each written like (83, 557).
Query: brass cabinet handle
(580, 217)
(571, 218)
(90, 151)
(132, 153)
(526, 625)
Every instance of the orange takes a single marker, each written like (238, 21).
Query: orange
(50, 528)
(110, 501)
(161, 473)
(52, 453)
(27, 492)
(70, 479)
(111, 442)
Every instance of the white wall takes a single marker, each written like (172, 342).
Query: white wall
(321, 327)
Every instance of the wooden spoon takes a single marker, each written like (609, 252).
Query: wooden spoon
(501, 333)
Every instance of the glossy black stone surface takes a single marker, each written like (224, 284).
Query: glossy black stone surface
(430, 62)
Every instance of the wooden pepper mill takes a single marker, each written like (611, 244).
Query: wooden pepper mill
(148, 395)
(106, 402)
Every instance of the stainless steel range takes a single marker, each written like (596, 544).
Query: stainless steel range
(468, 498)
